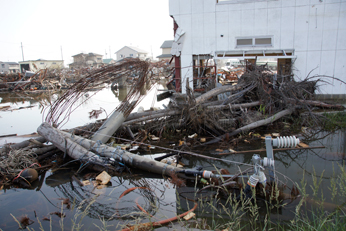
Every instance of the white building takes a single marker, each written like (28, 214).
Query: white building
(309, 33)
(36, 65)
(9, 67)
(166, 48)
(131, 52)
(82, 60)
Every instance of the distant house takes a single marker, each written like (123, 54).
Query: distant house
(9, 67)
(36, 65)
(108, 61)
(166, 48)
(131, 52)
(86, 60)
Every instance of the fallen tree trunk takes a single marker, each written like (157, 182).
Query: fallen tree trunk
(253, 125)
(21, 145)
(150, 117)
(320, 104)
(216, 91)
(233, 106)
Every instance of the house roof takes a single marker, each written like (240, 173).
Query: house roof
(135, 49)
(164, 56)
(11, 63)
(89, 54)
(167, 44)
(107, 61)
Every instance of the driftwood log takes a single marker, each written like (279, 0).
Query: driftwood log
(253, 125)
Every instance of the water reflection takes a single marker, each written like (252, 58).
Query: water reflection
(160, 198)
(26, 120)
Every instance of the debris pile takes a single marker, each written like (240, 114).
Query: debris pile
(258, 99)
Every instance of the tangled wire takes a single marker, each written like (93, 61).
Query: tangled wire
(62, 108)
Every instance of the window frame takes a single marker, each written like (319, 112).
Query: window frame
(253, 44)
(241, 1)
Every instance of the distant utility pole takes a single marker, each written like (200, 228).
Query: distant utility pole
(62, 58)
(22, 50)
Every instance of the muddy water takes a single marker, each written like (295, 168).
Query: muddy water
(155, 194)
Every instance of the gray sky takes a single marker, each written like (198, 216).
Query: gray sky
(44, 26)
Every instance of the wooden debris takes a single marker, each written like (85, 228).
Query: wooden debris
(103, 178)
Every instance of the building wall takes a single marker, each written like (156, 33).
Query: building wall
(314, 29)
(9, 67)
(127, 52)
(86, 60)
(36, 65)
(166, 51)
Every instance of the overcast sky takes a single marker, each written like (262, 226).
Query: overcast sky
(103, 26)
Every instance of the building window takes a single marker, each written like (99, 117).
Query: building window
(121, 56)
(3, 65)
(54, 63)
(244, 42)
(98, 58)
(42, 63)
(254, 41)
(131, 55)
(241, 1)
(263, 41)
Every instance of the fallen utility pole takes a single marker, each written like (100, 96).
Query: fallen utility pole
(79, 147)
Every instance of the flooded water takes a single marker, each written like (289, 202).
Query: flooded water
(98, 207)
(27, 111)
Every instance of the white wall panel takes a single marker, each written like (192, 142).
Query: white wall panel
(302, 2)
(261, 5)
(315, 27)
(327, 63)
(340, 70)
(185, 24)
(287, 3)
(287, 27)
(330, 26)
(209, 6)
(223, 7)
(248, 5)
(197, 6)
(235, 6)
(197, 32)
(234, 29)
(301, 26)
(222, 30)
(174, 7)
(341, 42)
(274, 4)
(313, 62)
(261, 21)
(248, 22)
(209, 33)
(274, 25)
(185, 6)
(300, 65)
(333, 1)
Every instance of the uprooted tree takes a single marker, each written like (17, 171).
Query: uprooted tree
(259, 98)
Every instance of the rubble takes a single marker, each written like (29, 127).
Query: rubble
(259, 99)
